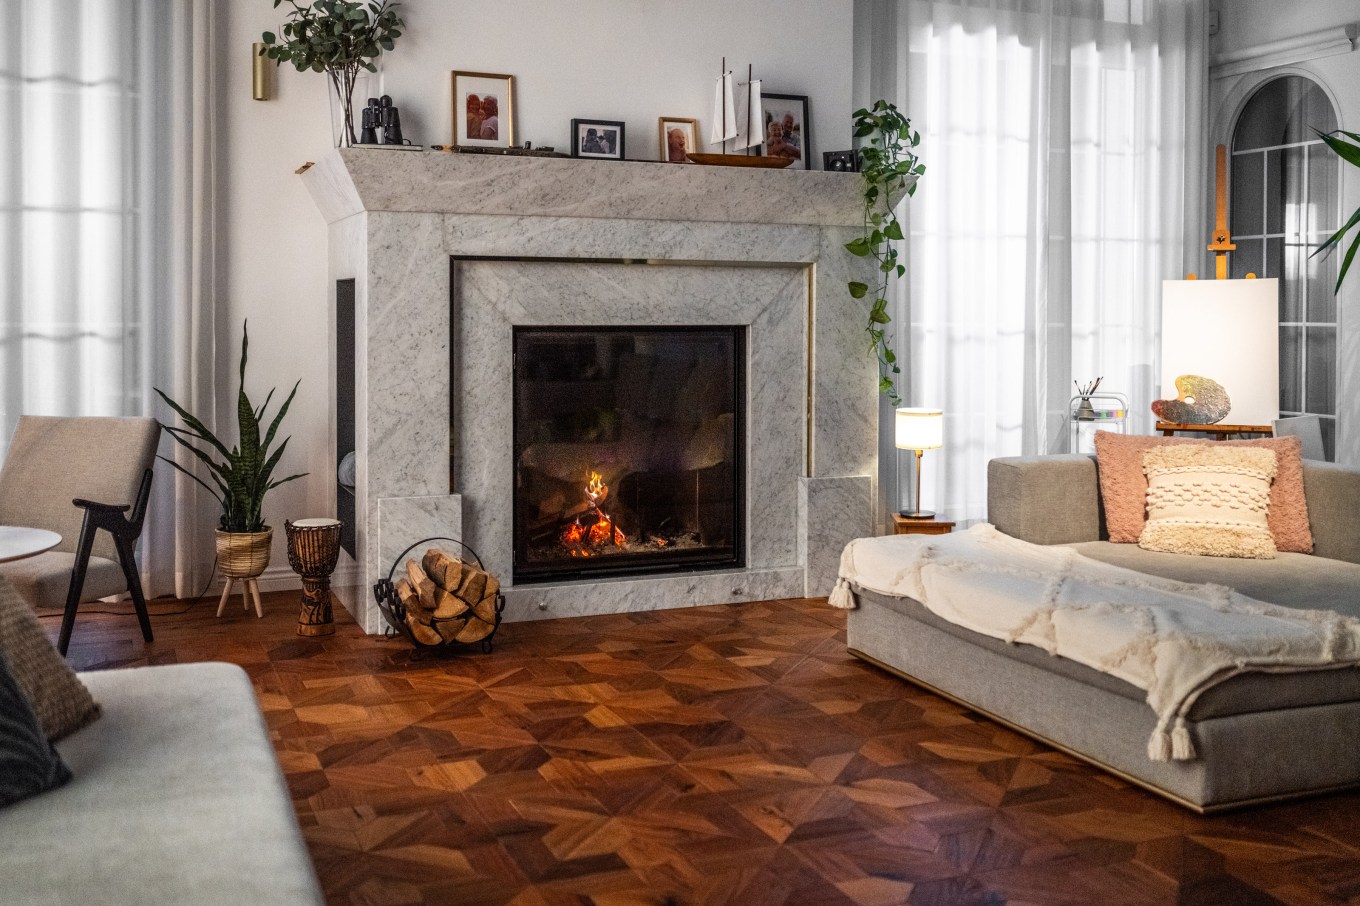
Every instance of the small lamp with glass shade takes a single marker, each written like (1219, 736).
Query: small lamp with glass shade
(919, 430)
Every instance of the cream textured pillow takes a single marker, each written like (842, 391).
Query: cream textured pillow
(1209, 500)
(1123, 485)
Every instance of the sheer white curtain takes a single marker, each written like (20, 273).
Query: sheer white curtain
(105, 226)
(1064, 147)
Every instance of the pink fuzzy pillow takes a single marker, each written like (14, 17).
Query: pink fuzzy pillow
(1123, 486)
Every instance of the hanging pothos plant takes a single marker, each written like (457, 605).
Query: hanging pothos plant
(888, 167)
(1349, 151)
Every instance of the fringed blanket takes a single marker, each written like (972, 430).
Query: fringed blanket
(1174, 640)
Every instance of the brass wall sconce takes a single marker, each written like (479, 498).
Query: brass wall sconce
(261, 82)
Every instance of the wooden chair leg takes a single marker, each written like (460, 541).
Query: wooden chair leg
(134, 583)
(68, 619)
(254, 586)
(226, 593)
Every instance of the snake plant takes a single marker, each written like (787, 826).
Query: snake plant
(241, 474)
(1349, 151)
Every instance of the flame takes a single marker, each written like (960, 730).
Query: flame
(579, 536)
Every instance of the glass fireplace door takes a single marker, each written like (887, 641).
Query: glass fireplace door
(629, 449)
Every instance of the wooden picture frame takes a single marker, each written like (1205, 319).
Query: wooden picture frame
(473, 92)
(597, 139)
(795, 140)
(669, 128)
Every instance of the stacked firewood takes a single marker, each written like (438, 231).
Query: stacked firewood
(448, 600)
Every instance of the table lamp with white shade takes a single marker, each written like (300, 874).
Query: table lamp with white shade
(919, 430)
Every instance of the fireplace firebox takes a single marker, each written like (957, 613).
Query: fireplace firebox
(629, 446)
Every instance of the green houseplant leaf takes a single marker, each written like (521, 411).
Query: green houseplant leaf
(1349, 151)
(241, 474)
(337, 37)
(889, 168)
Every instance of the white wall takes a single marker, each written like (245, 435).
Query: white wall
(630, 60)
(1246, 23)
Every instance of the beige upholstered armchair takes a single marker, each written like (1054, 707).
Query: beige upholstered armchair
(76, 476)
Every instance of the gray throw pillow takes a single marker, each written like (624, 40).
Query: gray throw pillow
(28, 763)
(56, 694)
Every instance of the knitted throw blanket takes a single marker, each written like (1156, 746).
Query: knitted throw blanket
(1174, 640)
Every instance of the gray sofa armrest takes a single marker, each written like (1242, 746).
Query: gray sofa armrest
(1045, 499)
(1333, 494)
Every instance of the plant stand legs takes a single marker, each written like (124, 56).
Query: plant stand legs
(250, 588)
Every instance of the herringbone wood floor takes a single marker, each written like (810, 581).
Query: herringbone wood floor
(727, 754)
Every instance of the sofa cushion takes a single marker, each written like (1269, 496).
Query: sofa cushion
(1123, 486)
(1209, 501)
(177, 798)
(1290, 580)
(62, 704)
(45, 579)
(28, 763)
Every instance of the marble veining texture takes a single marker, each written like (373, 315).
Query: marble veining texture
(547, 602)
(401, 522)
(491, 298)
(783, 279)
(439, 182)
(836, 511)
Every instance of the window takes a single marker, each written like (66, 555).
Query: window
(1286, 202)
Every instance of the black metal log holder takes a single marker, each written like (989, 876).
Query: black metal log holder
(385, 592)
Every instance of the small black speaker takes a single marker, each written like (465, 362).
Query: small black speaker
(840, 161)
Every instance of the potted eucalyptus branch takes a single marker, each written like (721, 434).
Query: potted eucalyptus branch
(889, 167)
(1349, 151)
(240, 475)
(339, 38)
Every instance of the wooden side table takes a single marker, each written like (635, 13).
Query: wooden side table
(904, 526)
(1219, 432)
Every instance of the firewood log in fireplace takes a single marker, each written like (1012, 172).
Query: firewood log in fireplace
(447, 599)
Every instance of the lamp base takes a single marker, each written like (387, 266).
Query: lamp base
(919, 514)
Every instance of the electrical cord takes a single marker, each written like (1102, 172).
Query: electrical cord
(160, 613)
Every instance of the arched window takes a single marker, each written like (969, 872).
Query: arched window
(1285, 202)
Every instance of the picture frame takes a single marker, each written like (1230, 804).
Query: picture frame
(682, 130)
(790, 111)
(597, 139)
(473, 94)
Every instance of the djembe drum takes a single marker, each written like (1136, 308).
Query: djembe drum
(313, 549)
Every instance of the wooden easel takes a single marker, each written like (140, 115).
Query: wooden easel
(1220, 243)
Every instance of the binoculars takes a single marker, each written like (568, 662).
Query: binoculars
(381, 114)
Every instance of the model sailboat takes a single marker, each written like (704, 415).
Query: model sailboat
(740, 120)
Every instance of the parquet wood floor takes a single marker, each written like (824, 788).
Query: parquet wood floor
(726, 754)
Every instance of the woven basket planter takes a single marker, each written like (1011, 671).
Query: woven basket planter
(243, 555)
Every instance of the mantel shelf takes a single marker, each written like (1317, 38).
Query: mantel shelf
(352, 180)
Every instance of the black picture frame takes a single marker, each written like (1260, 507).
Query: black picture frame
(781, 105)
(597, 134)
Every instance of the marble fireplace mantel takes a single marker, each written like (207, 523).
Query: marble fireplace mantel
(450, 252)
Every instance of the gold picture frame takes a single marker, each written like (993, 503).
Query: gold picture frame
(470, 93)
(684, 126)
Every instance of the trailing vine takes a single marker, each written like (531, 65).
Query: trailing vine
(888, 167)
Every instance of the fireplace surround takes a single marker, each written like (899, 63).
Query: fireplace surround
(451, 255)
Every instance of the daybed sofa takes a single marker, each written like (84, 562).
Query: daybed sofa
(176, 798)
(1259, 736)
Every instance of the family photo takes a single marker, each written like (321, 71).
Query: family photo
(601, 139)
(483, 115)
(786, 128)
(483, 120)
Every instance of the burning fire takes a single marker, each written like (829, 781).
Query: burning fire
(596, 489)
(578, 535)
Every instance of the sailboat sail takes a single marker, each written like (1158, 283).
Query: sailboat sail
(750, 117)
(724, 112)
